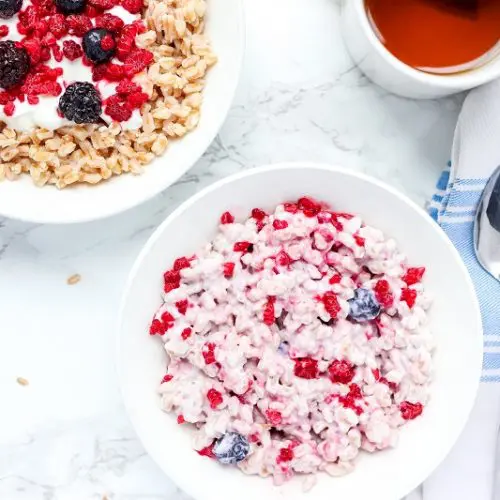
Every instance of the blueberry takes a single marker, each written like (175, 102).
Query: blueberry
(9, 7)
(231, 448)
(14, 64)
(283, 348)
(70, 6)
(364, 305)
(81, 103)
(99, 45)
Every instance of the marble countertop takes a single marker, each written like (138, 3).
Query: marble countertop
(65, 436)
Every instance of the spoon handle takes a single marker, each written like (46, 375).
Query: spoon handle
(493, 209)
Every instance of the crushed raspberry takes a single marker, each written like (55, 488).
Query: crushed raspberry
(268, 317)
(331, 304)
(114, 72)
(335, 279)
(273, 417)
(243, 246)
(34, 49)
(383, 293)
(72, 50)
(280, 224)
(57, 52)
(91, 11)
(78, 24)
(157, 328)
(206, 452)
(349, 401)
(414, 275)
(215, 398)
(168, 287)
(359, 240)
(309, 207)
(260, 225)
(137, 99)
(306, 368)
(9, 109)
(103, 4)
(109, 22)
(285, 455)
(4, 30)
(208, 353)
(186, 333)
(119, 112)
(166, 378)
(291, 208)
(409, 296)
(181, 263)
(107, 42)
(182, 306)
(126, 43)
(33, 99)
(99, 72)
(228, 269)
(58, 26)
(409, 411)
(258, 214)
(172, 280)
(324, 217)
(137, 61)
(283, 259)
(341, 372)
(167, 319)
(227, 218)
(392, 386)
(180, 419)
(376, 374)
(127, 87)
(133, 6)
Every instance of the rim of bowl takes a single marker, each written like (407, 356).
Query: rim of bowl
(148, 195)
(476, 357)
(470, 79)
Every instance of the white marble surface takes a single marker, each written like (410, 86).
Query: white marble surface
(65, 436)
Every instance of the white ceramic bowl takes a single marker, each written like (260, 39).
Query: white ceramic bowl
(22, 200)
(455, 320)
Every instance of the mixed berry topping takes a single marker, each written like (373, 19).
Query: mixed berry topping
(14, 64)
(363, 306)
(231, 448)
(9, 7)
(81, 103)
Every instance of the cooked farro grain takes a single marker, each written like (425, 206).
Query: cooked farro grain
(92, 153)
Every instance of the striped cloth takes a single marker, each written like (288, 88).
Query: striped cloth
(454, 207)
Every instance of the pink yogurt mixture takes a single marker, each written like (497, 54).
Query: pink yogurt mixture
(261, 343)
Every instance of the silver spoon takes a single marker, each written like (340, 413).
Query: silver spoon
(487, 227)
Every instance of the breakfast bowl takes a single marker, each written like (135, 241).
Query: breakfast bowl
(454, 320)
(90, 195)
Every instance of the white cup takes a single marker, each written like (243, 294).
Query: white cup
(397, 77)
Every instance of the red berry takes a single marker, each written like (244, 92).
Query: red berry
(34, 49)
(126, 87)
(336, 223)
(157, 328)
(392, 386)
(331, 304)
(114, 72)
(273, 417)
(359, 240)
(258, 214)
(228, 269)
(341, 372)
(166, 378)
(268, 317)
(103, 4)
(186, 333)
(126, 42)
(349, 401)
(99, 72)
(215, 398)
(206, 452)
(243, 246)
(72, 50)
(226, 218)
(137, 99)
(376, 374)
(283, 259)
(109, 22)
(9, 109)
(33, 100)
(79, 24)
(137, 61)
(4, 30)
(208, 353)
(413, 275)
(409, 296)
(409, 411)
(182, 306)
(280, 224)
(285, 455)
(167, 319)
(133, 6)
(181, 263)
(383, 293)
(119, 112)
(172, 276)
(180, 419)
(107, 42)
(335, 279)
(306, 368)
(309, 207)
(291, 208)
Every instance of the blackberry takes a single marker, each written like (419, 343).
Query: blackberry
(81, 103)
(99, 45)
(70, 6)
(231, 448)
(14, 64)
(9, 7)
(364, 306)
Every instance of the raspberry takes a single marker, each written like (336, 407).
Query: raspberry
(79, 24)
(41, 28)
(181, 263)
(57, 53)
(72, 50)
(206, 452)
(180, 419)
(273, 417)
(280, 224)
(126, 42)
(215, 398)
(186, 333)
(383, 293)
(258, 214)
(260, 226)
(268, 317)
(91, 11)
(133, 6)
(376, 374)
(309, 207)
(228, 269)
(9, 109)
(166, 378)
(283, 259)
(409, 296)
(99, 72)
(157, 328)
(349, 401)
(226, 218)
(126, 87)
(243, 246)
(107, 43)
(119, 112)
(103, 4)
(208, 353)
(33, 99)
(413, 275)
(109, 22)
(137, 61)
(306, 368)
(114, 72)
(359, 240)
(335, 279)
(331, 304)
(34, 49)
(409, 411)
(182, 306)
(291, 208)
(137, 99)
(172, 276)
(4, 30)
(341, 372)
(167, 320)
(285, 455)
(168, 287)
